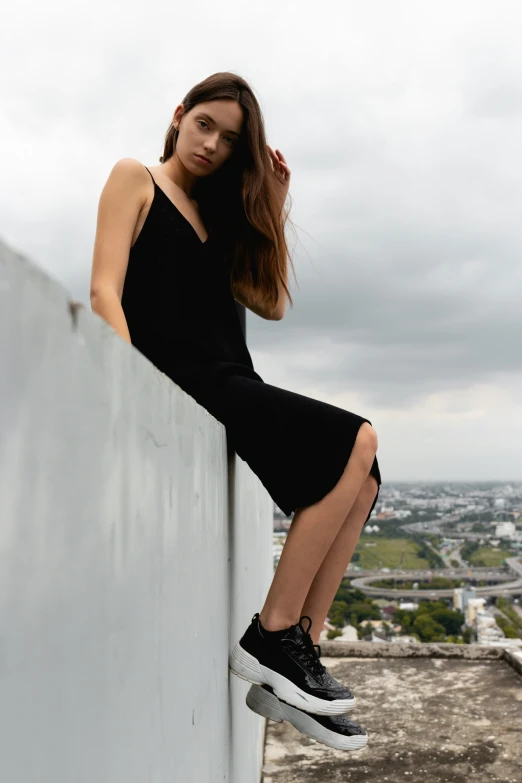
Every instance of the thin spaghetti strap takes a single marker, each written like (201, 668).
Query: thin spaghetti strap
(150, 175)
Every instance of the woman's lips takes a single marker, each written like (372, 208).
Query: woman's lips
(203, 161)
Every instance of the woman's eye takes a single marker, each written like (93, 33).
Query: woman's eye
(229, 138)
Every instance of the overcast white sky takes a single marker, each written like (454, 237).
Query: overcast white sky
(401, 121)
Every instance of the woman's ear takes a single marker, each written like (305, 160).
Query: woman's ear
(178, 114)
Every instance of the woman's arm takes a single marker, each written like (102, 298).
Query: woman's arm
(107, 304)
(120, 203)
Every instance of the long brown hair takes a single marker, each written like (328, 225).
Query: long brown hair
(239, 203)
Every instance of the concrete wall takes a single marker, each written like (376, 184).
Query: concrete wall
(132, 555)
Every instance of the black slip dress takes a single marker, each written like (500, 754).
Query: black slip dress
(182, 316)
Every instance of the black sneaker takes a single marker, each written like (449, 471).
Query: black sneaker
(336, 731)
(288, 662)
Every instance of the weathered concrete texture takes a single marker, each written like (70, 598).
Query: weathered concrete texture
(469, 652)
(514, 658)
(429, 720)
(472, 652)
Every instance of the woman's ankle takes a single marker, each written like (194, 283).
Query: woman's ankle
(276, 622)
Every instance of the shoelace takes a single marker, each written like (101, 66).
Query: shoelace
(308, 651)
(312, 656)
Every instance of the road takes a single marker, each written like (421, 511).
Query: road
(506, 585)
(481, 572)
(455, 555)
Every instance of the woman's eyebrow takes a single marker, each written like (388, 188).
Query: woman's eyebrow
(203, 114)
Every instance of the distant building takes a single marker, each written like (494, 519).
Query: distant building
(505, 530)
(461, 596)
(384, 602)
(409, 606)
(387, 612)
(457, 599)
(487, 629)
(349, 634)
(474, 606)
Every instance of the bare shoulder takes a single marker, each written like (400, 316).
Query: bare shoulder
(128, 189)
(129, 171)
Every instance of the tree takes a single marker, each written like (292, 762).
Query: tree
(406, 619)
(428, 629)
(386, 628)
(365, 611)
(355, 624)
(337, 613)
(466, 635)
(350, 595)
(468, 549)
(366, 630)
(334, 633)
(450, 620)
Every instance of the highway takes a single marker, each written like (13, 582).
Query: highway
(507, 585)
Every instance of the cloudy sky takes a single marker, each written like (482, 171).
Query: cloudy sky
(401, 122)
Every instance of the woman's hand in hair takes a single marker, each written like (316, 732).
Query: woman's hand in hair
(281, 171)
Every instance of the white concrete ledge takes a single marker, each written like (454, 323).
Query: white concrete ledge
(132, 553)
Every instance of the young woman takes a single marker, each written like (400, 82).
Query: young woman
(175, 245)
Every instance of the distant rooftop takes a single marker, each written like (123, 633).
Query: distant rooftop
(435, 714)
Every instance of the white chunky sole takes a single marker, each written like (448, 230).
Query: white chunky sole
(266, 704)
(248, 668)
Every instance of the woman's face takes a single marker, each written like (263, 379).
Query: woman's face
(210, 129)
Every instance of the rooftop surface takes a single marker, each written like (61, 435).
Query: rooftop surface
(452, 716)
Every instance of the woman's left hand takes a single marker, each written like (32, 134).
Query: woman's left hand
(281, 171)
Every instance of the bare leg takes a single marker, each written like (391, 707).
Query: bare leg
(328, 578)
(313, 530)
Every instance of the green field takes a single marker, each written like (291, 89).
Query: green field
(387, 553)
(488, 557)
